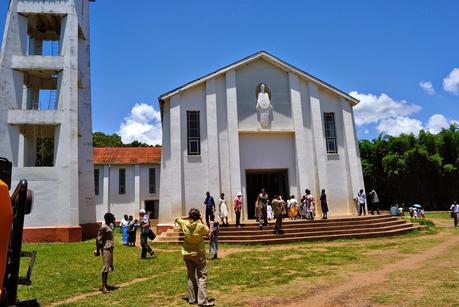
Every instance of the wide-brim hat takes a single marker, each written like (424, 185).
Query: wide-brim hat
(239, 194)
(142, 211)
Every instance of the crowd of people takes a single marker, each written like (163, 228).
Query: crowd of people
(195, 230)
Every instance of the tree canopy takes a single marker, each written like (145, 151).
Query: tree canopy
(100, 139)
(412, 169)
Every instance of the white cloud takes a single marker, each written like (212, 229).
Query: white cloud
(143, 124)
(373, 109)
(437, 122)
(451, 82)
(427, 87)
(398, 125)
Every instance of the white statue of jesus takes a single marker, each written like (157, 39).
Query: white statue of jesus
(263, 106)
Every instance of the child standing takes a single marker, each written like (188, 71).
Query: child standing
(311, 206)
(132, 227)
(106, 244)
(213, 234)
(124, 229)
(269, 209)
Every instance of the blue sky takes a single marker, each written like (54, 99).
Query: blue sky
(379, 50)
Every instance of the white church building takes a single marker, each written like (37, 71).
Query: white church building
(257, 123)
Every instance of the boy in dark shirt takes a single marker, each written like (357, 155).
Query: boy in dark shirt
(105, 243)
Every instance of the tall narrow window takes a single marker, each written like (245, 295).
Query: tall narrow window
(152, 180)
(193, 133)
(96, 181)
(122, 181)
(330, 132)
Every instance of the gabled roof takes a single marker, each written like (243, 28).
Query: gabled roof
(127, 155)
(269, 58)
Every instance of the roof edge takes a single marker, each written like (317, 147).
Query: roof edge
(252, 57)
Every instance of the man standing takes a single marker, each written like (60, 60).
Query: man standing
(374, 202)
(454, 212)
(210, 206)
(361, 200)
(194, 255)
(106, 244)
(277, 206)
(238, 208)
(145, 234)
(262, 201)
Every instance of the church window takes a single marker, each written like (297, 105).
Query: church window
(96, 181)
(193, 133)
(122, 181)
(152, 180)
(330, 133)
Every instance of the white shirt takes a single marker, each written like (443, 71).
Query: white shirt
(361, 198)
(454, 208)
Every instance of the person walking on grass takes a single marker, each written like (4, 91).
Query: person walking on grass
(145, 234)
(213, 237)
(454, 212)
(324, 205)
(238, 208)
(223, 210)
(194, 255)
(210, 206)
(361, 200)
(106, 244)
(278, 206)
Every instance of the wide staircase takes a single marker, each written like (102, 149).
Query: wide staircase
(305, 230)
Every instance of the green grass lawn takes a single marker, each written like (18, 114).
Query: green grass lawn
(67, 270)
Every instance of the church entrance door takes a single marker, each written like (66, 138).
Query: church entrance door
(274, 181)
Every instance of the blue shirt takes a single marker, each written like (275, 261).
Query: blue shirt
(209, 201)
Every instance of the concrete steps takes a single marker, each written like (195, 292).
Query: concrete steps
(304, 230)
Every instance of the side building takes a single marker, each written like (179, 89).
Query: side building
(126, 180)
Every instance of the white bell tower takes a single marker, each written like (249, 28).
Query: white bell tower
(45, 111)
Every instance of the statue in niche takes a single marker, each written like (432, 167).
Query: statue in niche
(264, 106)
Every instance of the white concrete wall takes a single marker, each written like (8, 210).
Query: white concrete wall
(195, 168)
(337, 176)
(136, 194)
(248, 78)
(261, 151)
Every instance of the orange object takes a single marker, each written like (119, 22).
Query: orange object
(6, 220)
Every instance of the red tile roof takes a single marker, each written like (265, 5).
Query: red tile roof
(127, 155)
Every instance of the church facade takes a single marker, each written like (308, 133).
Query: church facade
(257, 123)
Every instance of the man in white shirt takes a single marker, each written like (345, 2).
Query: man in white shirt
(361, 200)
(454, 211)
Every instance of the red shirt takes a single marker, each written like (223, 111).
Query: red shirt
(237, 203)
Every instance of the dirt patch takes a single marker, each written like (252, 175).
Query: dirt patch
(80, 297)
(293, 256)
(385, 252)
(335, 296)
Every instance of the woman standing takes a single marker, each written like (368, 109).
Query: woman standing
(324, 205)
(223, 208)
